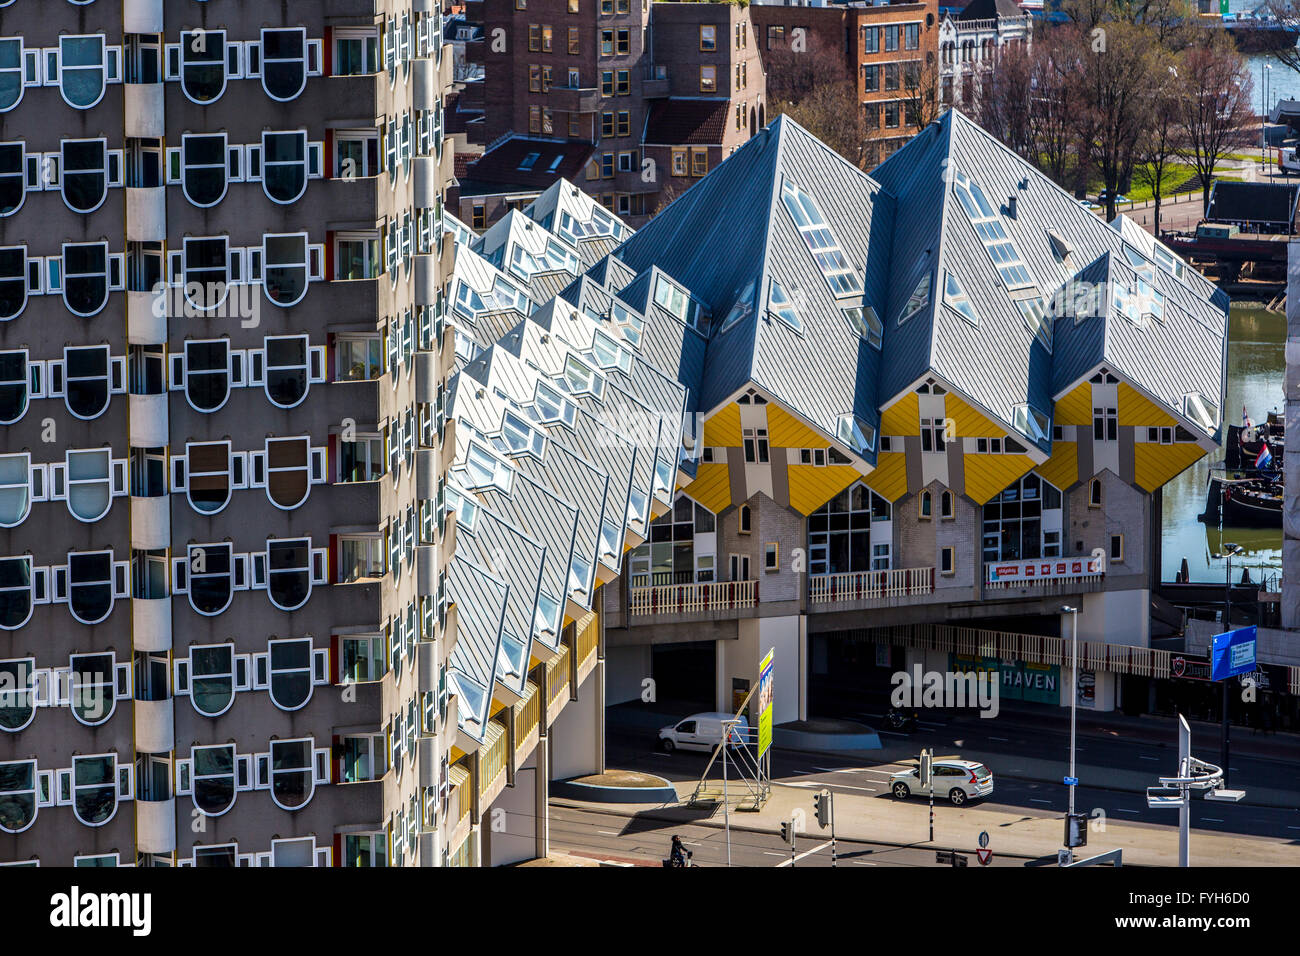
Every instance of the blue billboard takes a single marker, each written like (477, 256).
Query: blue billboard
(1233, 653)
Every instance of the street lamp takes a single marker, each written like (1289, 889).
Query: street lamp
(1229, 549)
(1265, 74)
(1074, 704)
(1174, 793)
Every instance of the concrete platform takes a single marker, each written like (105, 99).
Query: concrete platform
(823, 734)
(617, 786)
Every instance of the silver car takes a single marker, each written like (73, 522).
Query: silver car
(958, 780)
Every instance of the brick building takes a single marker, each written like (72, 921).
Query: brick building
(613, 83)
(889, 51)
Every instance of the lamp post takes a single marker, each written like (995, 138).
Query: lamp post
(1174, 793)
(1229, 549)
(1265, 74)
(1074, 704)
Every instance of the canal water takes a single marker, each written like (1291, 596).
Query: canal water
(1256, 364)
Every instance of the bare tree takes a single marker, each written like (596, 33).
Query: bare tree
(1160, 141)
(921, 91)
(1115, 77)
(795, 70)
(1288, 14)
(1053, 129)
(1006, 101)
(1215, 108)
(832, 113)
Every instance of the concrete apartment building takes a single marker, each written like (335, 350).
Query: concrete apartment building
(237, 627)
(602, 86)
(889, 51)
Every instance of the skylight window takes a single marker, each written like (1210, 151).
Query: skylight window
(632, 324)
(1126, 303)
(554, 258)
(743, 308)
(992, 233)
(520, 438)
(1152, 300)
(609, 354)
(546, 619)
(1166, 259)
(582, 379)
(1140, 263)
(551, 407)
(856, 433)
(1201, 410)
(1031, 422)
(918, 300)
(866, 323)
(781, 305)
(1034, 312)
(672, 299)
(955, 297)
(842, 278)
(529, 161)
(468, 302)
(465, 506)
(485, 470)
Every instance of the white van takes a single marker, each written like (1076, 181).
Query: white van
(701, 732)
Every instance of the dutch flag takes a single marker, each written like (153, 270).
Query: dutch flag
(1264, 458)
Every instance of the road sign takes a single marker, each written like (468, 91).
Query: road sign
(1071, 781)
(984, 838)
(765, 690)
(985, 856)
(1233, 653)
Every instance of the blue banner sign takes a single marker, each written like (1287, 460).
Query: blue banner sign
(1233, 653)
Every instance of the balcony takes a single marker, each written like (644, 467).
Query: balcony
(492, 756)
(1043, 577)
(151, 526)
(424, 79)
(574, 99)
(426, 280)
(425, 182)
(527, 720)
(148, 420)
(151, 624)
(143, 109)
(885, 587)
(155, 825)
(655, 87)
(426, 378)
(557, 684)
(426, 570)
(702, 598)
(460, 803)
(146, 214)
(154, 730)
(143, 327)
(142, 16)
(586, 643)
(426, 473)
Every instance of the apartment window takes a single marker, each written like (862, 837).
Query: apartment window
(362, 659)
(356, 53)
(624, 123)
(891, 37)
(291, 365)
(86, 279)
(925, 508)
(771, 557)
(891, 76)
(756, 447)
(1094, 493)
(624, 6)
(573, 6)
(1023, 522)
(1105, 424)
(478, 216)
(210, 676)
(534, 38)
(357, 359)
(85, 173)
(286, 268)
(87, 384)
(13, 166)
(870, 78)
(574, 44)
(203, 168)
(292, 672)
(534, 78)
(203, 65)
(209, 777)
(932, 434)
(289, 568)
(891, 115)
(911, 36)
(11, 72)
(284, 63)
(17, 478)
(360, 557)
(14, 280)
(84, 65)
(946, 505)
(19, 785)
(606, 165)
(1117, 548)
(870, 40)
(607, 8)
(18, 707)
(745, 522)
(699, 160)
(534, 119)
(775, 36)
(623, 45)
(947, 560)
(679, 162)
(291, 467)
(708, 79)
(607, 124)
(623, 83)
(90, 477)
(205, 373)
(90, 580)
(285, 165)
(361, 459)
(207, 574)
(356, 154)
(708, 38)
(575, 128)
(606, 42)
(547, 35)
(94, 788)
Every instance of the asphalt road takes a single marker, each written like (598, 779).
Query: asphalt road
(633, 750)
(613, 834)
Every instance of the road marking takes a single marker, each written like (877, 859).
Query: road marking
(1210, 820)
(863, 862)
(1038, 800)
(692, 843)
(1000, 739)
(772, 853)
(1293, 828)
(1145, 757)
(608, 832)
(804, 854)
(1126, 810)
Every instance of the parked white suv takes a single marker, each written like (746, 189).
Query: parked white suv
(958, 780)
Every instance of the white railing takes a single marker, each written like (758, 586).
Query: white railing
(688, 598)
(869, 585)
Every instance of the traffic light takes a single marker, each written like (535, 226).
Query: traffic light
(822, 801)
(787, 832)
(1076, 830)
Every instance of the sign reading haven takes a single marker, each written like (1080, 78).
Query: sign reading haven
(1046, 569)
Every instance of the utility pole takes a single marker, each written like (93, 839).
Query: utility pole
(1073, 780)
(824, 804)
(925, 773)
(726, 803)
(1229, 549)
(1176, 792)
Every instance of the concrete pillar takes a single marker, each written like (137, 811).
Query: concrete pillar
(578, 736)
(803, 667)
(596, 687)
(541, 797)
(510, 825)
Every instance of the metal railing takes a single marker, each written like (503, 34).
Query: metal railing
(492, 756)
(869, 585)
(586, 636)
(557, 675)
(688, 598)
(528, 713)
